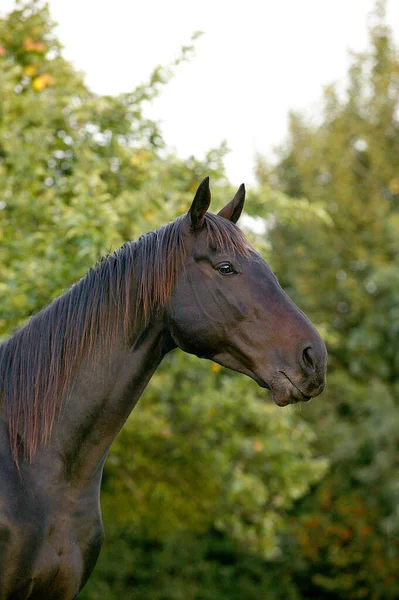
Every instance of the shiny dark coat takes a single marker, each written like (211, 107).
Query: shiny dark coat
(71, 377)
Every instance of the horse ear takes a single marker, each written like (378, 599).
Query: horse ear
(232, 211)
(200, 204)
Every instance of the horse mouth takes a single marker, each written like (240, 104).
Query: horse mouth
(283, 390)
(296, 394)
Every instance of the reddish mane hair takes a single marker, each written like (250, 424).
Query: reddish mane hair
(124, 290)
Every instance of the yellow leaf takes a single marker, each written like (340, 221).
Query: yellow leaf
(40, 47)
(31, 46)
(28, 42)
(41, 82)
(140, 157)
(30, 70)
(215, 368)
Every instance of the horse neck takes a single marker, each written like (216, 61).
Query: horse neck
(105, 392)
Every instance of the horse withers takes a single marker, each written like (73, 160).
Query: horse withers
(70, 378)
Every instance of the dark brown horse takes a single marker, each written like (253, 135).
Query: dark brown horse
(70, 378)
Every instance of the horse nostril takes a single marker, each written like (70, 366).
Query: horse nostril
(308, 359)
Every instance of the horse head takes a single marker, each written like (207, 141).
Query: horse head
(228, 306)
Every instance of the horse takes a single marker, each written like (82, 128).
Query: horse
(70, 378)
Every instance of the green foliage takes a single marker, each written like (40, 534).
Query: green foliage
(341, 265)
(209, 451)
(184, 568)
(79, 174)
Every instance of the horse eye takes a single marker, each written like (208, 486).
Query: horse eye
(225, 269)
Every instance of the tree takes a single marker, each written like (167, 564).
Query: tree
(74, 166)
(344, 268)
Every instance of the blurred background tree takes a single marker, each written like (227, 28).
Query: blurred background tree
(210, 492)
(344, 270)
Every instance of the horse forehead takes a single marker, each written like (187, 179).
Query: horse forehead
(201, 244)
(205, 244)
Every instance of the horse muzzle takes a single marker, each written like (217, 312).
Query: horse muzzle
(286, 389)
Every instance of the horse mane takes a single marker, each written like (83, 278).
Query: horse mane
(38, 363)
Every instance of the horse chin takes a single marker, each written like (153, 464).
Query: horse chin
(283, 391)
(293, 397)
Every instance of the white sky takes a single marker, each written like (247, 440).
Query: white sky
(257, 60)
